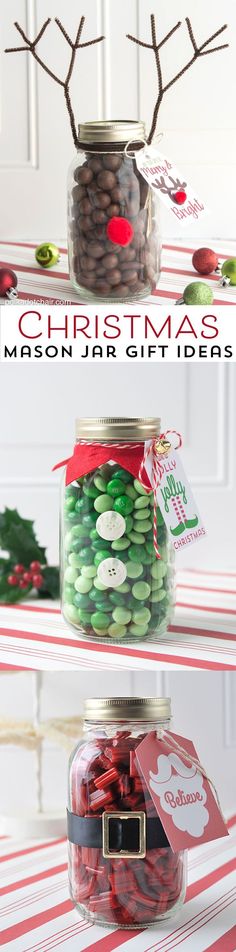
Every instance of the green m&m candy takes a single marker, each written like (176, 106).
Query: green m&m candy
(124, 505)
(114, 587)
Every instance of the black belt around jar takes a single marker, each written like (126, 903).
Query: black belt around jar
(129, 834)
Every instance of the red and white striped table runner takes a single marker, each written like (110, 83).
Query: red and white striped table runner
(203, 634)
(36, 914)
(38, 284)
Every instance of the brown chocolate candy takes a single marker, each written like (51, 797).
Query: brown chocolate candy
(106, 180)
(112, 162)
(101, 199)
(78, 192)
(85, 206)
(84, 175)
(87, 264)
(85, 223)
(95, 164)
(96, 249)
(110, 261)
(102, 286)
(114, 276)
(99, 216)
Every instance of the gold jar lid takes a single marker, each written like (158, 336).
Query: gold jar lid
(117, 428)
(110, 130)
(127, 709)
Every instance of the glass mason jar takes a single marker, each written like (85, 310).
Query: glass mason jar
(113, 239)
(112, 584)
(122, 870)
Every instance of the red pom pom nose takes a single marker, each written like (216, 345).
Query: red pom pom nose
(180, 197)
(120, 231)
(205, 261)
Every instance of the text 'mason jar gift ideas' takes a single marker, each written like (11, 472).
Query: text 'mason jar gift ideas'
(138, 799)
(112, 583)
(113, 238)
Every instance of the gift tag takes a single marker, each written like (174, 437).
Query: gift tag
(171, 186)
(181, 793)
(175, 499)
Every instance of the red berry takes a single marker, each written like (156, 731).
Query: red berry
(120, 231)
(180, 197)
(37, 581)
(19, 569)
(35, 566)
(12, 580)
(27, 577)
(22, 583)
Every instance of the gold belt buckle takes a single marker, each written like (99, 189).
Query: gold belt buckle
(107, 818)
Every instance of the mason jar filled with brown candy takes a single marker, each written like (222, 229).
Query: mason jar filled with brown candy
(113, 237)
(122, 870)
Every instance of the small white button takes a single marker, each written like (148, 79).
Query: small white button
(110, 525)
(112, 572)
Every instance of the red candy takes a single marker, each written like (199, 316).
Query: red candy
(123, 892)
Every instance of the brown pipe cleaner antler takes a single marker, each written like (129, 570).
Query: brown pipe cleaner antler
(156, 47)
(31, 48)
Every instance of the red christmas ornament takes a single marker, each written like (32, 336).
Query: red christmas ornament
(180, 197)
(8, 283)
(120, 231)
(205, 260)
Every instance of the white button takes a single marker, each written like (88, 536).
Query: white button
(110, 525)
(112, 572)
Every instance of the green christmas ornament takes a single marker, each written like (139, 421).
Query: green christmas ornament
(198, 292)
(228, 271)
(47, 255)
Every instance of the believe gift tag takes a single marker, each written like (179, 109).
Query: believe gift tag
(181, 794)
(175, 498)
(171, 186)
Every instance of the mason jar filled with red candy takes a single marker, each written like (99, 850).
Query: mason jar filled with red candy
(113, 233)
(122, 870)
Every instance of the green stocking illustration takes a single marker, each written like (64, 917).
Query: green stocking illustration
(183, 522)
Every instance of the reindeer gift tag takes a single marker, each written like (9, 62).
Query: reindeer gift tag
(180, 790)
(175, 498)
(171, 186)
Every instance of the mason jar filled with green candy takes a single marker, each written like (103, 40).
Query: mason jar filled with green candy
(116, 574)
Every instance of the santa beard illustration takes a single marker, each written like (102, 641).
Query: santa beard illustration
(181, 793)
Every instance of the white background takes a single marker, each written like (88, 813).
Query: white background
(39, 407)
(114, 80)
(203, 707)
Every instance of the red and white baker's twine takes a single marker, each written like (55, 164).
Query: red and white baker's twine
(157, 473)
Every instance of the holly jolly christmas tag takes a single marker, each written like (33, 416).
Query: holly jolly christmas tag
(171, 186)
(175, 499)
(181, 793)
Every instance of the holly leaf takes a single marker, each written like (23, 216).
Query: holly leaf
(10, 594)
(51, 582)
(17, 536)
